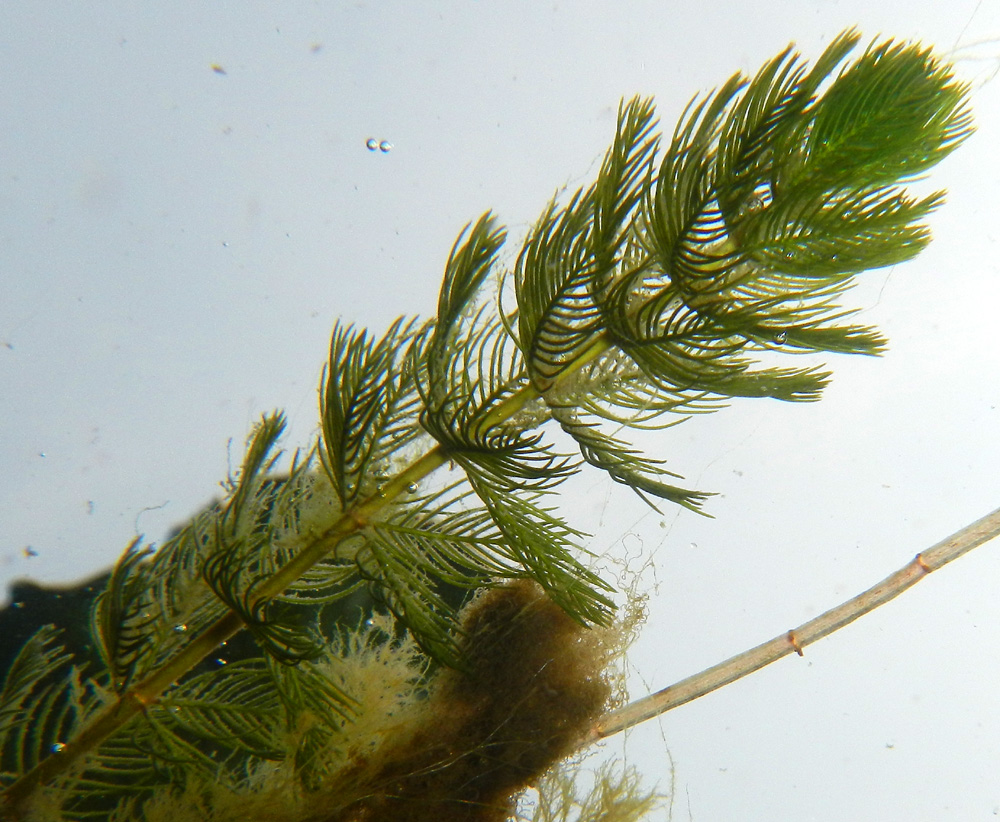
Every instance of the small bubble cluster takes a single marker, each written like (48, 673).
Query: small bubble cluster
(378, 145)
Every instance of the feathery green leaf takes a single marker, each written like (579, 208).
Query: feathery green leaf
(367, 400)
(649, 296)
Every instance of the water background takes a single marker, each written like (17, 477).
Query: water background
(188, 201)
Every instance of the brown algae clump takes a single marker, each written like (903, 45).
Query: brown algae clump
(532, 686)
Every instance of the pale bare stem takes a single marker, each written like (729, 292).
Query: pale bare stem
(737, 667)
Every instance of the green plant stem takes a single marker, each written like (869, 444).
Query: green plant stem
(118, 714)
(737, 667)
(148, 690)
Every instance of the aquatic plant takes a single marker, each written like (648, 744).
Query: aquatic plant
(671, 284)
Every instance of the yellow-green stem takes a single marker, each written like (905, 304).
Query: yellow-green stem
(148, 690)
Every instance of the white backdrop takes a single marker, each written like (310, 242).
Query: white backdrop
(187, 204)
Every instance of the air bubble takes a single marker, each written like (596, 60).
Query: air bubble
(412, 487)
(180, 629)
(385, 146)
(371, 144)
(58, 747)
(780, 337)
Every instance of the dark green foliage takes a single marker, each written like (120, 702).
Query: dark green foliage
(367, 400)
(247, 535)
(667, 287)
(34, 711)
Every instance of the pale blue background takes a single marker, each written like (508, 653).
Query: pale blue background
(175, 244)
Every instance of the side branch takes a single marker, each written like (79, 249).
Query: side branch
(737, 667)
(146, 692)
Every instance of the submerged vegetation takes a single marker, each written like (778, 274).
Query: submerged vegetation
(486, 646)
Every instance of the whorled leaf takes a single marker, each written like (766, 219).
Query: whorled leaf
(368, 402)
(766, 123)
(26, 703)
(231, 706)
(427, 555)
(469, 264)
(121, 621)
(248, 549)
(753, 229)
(470, 364)
(40, 715)
(624, 463)
(554, 277)
(572, 252)
(889, 116)
(543, 544)
(465, 386)
(315, 702)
